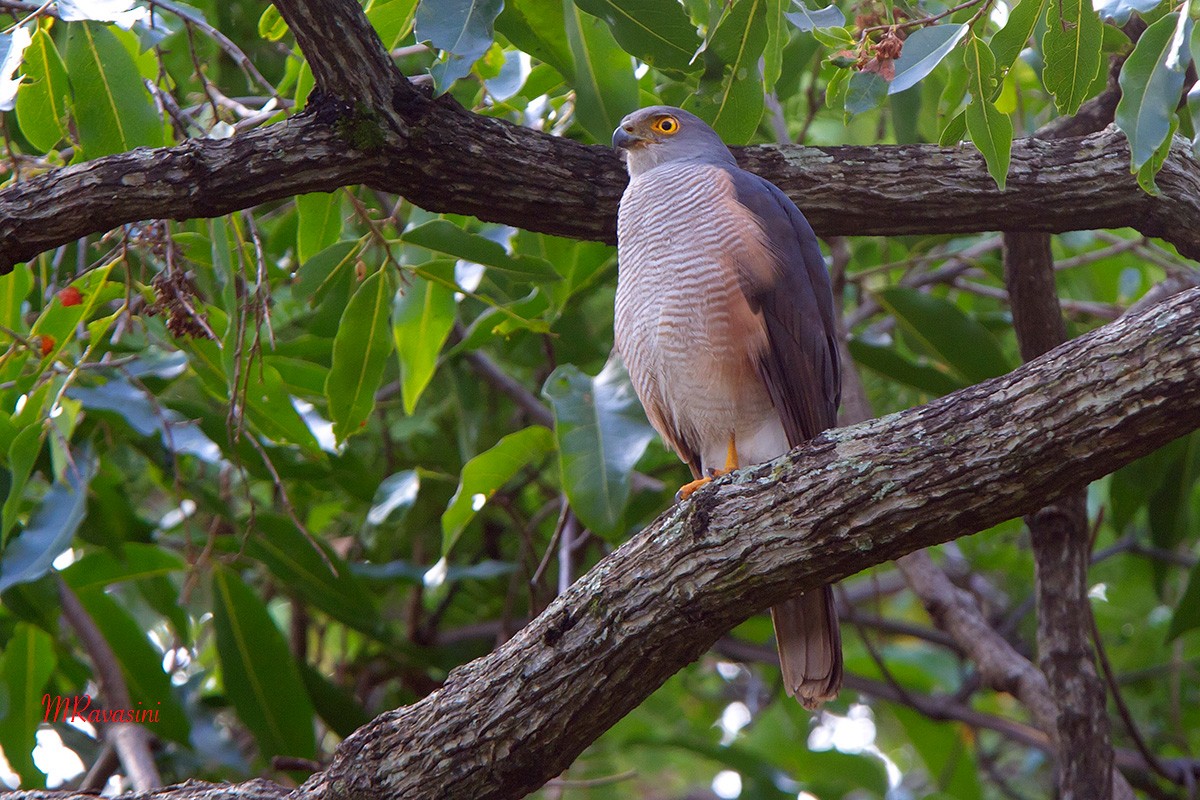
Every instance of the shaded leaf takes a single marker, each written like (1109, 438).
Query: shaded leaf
(14, 288)
(601, 433)
(947, 333)
(1072, 50)
(1150, 90)
(1187, 612)
(52, 526)
(337, 707)
(27, 664)
(260, 676)
(865, 91)
(146, 416)
(655, 31)
(605, 86)
(443, 237)
(923, 51)
(422, 317)
(294, 560)
(462, 29)
(360, 353)
(141, 664)
(891, 364)
(484, 474)
(22, 454)
(137, 561)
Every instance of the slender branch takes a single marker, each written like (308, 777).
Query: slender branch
(131, 741)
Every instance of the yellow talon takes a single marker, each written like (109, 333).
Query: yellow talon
(731, 464)
(688, 489)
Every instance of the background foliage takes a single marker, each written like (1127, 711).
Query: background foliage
(299, 462)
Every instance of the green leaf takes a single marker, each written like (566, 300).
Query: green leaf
(1187, 612)
(808, 19)
(891, 364)
(146, 416)
(137, 561)
(486, 473)
(991, 130)
(1145, 175)
(866, 91)
(43, 101)
(835, 90)
(298, 565)
(61, 323)
(923, 51)
(1119, 10)
(319, 222)
(1072, 50)
(360, 353)
(141, 665)
(655, 31)
(28, 662)
(268, 406)
(1150, 89)
(1193, 102)
(946, 333)
(337, 707)
(113, 111)
(422, 317)
(259, 672)
(536, 27)
(462, 29)
(14, 288)
(605, 86)
(777, 38)
(392, 20)
(734, 105)
(52, 527)
(443, 237)
(394, 498)
(946, 751)
(271, 25)
(955, 130)
(22, 455)
(1010, 40)
(601, 433)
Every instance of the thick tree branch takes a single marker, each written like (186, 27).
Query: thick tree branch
(851, 498)
(449, 160)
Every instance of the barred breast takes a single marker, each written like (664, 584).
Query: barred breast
(683, 325)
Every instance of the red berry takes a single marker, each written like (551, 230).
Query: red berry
(70, 296)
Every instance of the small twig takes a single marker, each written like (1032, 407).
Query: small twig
(591, 783)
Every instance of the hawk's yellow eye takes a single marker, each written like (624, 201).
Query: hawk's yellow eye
(667, 125)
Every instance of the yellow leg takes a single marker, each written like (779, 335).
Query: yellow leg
(731, 464)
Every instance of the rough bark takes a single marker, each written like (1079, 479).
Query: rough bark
(852, 498)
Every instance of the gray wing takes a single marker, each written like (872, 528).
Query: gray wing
(800, 368)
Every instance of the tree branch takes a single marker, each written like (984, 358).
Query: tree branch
(448, 160)
(849, 499)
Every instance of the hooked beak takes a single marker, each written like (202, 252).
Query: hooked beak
(623, 139)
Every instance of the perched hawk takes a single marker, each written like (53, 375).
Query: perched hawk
(724, 318)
